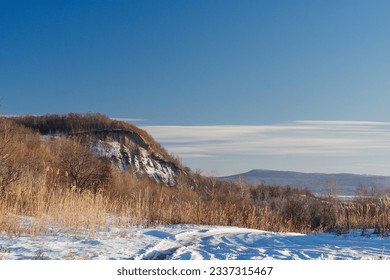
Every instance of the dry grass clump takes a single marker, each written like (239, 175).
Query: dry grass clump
(50, 207)
(372, 215)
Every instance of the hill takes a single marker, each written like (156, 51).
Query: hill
(320, 183)
(126, 145)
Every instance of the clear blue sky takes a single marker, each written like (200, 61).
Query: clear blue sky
(197, 62)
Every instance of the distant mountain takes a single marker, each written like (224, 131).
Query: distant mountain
(316, 182)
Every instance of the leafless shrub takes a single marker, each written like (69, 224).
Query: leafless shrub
(78, 167)
(10, 153)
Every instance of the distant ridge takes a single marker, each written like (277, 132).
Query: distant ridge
(316, 182)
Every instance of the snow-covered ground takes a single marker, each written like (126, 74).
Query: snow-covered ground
(194, 242)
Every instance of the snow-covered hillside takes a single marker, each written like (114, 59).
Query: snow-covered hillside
(194, 242)
(125, 155)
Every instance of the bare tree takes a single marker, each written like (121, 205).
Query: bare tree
(81, 168)
(10, 153)
(242, 185)
(332, 188)
(210, 187)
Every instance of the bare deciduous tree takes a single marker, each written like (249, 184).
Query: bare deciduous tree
(79, 166)
(11, 150)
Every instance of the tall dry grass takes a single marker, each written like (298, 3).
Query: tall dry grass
(33, 206)
(369, 215)
(28, 207)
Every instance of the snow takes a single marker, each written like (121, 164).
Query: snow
(143, 162)
(191, 242)
(156, 170)
(106, 149)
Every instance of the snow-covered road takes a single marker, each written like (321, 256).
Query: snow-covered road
(194, 242)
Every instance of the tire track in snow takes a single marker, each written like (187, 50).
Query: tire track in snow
(167, 247)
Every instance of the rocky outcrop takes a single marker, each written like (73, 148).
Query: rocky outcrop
(127, 154)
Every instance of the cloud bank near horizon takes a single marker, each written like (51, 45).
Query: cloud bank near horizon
(356, 143)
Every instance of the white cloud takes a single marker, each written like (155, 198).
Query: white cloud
(129, 120)
(342, 140)
(301, 137)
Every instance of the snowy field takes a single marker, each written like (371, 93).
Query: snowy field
(190, 242)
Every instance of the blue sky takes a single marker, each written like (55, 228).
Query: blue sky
(209, 64)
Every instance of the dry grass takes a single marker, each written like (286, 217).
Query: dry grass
(33, 206)
(369, 215)
(33, 210)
